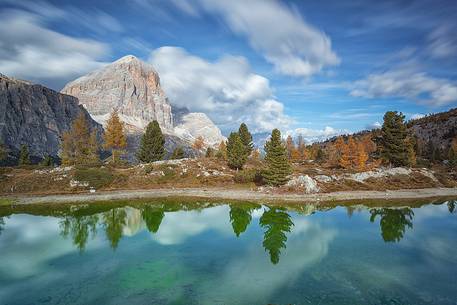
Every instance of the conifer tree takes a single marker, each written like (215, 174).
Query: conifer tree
(79, 145)
(178, 153)
(209, 152)
(3, 152)
(278, 167)
(152, 144)
(362, 156)
(411, 151)
(222, 151)
(47, 161)
(343, 153)
(115, 137)
(236, 151)
(199, 143)
(452, 154)
(352, 147)
(393, 146)
(246, 139)
(24, 156)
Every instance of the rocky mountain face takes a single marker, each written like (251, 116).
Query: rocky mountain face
(128, 85)
(36, 116)
(436, 130)
(133, 88)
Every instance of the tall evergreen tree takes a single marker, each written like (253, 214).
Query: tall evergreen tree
(24, 156)
(236, 151)
(152, 144)
(246, 138)
(3, 152)
(79, 145)
(115, 137)
(278, 167)
(393, 143)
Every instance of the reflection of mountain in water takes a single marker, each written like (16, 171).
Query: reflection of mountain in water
(173, 223)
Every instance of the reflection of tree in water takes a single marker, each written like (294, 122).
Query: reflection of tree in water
(240, 217)
(276, 223)
(2, 225)
(113, 222)
(152, 217)
(451, 206)
(79, 228)
(393, 222)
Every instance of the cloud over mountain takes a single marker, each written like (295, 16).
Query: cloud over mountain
(226, 89)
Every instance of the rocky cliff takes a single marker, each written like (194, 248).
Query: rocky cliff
(36, 116)
(133, 88)
(128, 85)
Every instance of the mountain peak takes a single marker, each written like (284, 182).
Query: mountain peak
(127, 59)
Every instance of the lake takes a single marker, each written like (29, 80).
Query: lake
(196, 252)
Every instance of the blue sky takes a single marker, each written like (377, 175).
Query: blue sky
(316, 68)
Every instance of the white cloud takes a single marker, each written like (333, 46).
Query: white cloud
(442, 42)
(29, 50)
(226, 89)
(280, 34)
(409, 84)
(316, 135)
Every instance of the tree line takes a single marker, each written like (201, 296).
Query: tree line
(392, 145)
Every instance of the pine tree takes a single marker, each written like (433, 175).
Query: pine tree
(278, 167)
(152, 144)
(3, 152)
(246, 139)
(393, 141)
(178, 153)
(115, 137)
(452, 154)
(79, 145)
(47, 161)
(24, 156)
(236, 151)
(222, 151)
(209, 152)
(411, 151)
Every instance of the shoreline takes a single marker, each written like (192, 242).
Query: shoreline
(233, 194)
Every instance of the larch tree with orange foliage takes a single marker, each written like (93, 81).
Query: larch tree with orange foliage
(362, 156)
(115, 137)
(343, 153)
(353, 151)
(199, 144)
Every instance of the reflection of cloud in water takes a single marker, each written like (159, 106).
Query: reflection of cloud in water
(176, 227)
(28, 243)
(252, 276)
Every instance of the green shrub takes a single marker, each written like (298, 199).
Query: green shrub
(96, 177)
(248, 176)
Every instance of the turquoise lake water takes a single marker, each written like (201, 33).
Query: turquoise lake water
(207, 253)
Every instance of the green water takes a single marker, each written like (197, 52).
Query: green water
(208, 253)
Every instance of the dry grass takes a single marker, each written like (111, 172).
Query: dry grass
(204, 172)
